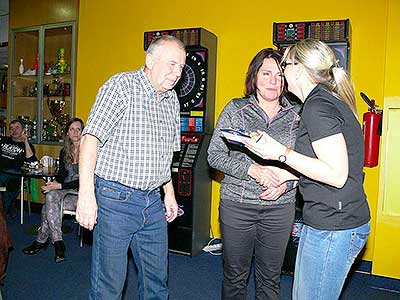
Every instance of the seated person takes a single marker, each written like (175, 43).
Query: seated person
(14, 151)
(66, 182)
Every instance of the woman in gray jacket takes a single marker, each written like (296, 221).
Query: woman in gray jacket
(256, 215)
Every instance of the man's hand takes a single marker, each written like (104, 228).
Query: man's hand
(24, 138)
(171, 207)
(86, 210)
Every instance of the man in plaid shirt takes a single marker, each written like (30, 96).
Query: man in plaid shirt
(125, 157)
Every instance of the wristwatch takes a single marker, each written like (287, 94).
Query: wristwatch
(282, 158)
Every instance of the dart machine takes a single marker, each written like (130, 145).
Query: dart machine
(190, 232)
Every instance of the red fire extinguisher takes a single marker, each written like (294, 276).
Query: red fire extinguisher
(372, 129)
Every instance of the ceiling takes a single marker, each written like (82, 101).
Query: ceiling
(4, 7)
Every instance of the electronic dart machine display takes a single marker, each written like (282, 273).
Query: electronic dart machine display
(190, 232)
(334, 33)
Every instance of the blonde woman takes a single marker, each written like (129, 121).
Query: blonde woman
(329, 154)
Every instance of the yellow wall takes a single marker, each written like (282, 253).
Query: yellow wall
(110, 40)
(385, 256)
(392, 67)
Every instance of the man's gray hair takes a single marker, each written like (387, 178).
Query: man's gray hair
(159, 41)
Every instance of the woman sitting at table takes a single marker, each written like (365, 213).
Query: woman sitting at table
(66, 182)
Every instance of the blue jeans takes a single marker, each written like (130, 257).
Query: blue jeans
(323, 260)
(129, 218)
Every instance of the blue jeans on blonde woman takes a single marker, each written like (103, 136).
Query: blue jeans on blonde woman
(128, 218)
(323, 260)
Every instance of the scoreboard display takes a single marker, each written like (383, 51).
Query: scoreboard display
(335, 33)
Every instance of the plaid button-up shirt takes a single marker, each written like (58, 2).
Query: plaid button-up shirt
(138, 131)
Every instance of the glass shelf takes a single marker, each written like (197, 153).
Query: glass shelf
(45, 100)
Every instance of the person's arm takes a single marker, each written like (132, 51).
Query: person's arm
(331, 165)
(323, 122)
(171, 207)
(51, 185)
(28, 150)
(264, 175)
(218, 151)
(86, 211)
(62, 171)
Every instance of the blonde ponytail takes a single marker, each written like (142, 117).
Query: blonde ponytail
(344, 87)
(321, 64)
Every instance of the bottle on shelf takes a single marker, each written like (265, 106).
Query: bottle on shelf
(3, 127)
(21, 68)
(36, 65)
(4, 84)
(61, 61)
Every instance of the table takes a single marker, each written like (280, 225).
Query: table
(43, 173)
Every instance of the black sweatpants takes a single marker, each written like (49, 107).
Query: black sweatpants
(259, 230)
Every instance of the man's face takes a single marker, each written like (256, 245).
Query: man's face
(165, 66)
(16, 131)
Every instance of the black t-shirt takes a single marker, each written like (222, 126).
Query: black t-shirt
(327, 207)
(12, 154)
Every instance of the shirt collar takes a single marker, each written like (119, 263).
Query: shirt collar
(316, 90)
(150, 90)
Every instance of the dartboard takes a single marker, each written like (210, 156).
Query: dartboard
(191, 88)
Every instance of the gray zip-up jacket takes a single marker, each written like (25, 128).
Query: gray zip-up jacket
(234, 161)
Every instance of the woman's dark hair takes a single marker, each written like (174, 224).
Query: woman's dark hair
(69, 147)
(254, 67)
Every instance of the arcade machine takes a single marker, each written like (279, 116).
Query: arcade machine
(190, 232)
(336, 34)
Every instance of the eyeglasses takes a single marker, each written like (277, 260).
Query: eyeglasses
(284, 64)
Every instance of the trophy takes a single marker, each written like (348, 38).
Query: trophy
(53, 131)
(64, 119)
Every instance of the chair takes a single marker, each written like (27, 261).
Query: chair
(65, 211)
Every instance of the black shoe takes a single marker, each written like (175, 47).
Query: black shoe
(59, 248)
(35, 248)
